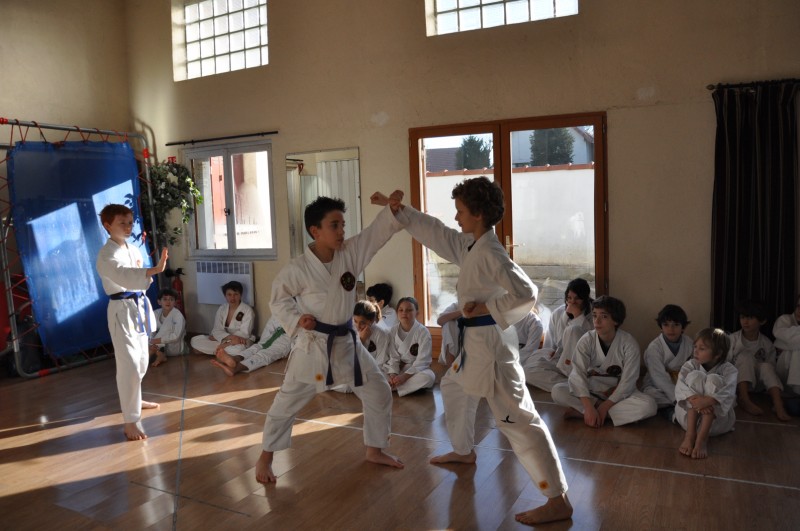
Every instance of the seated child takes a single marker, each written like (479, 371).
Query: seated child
(366, 316)
(381, 294)
(273, 345)
(233, 324)
(408, 368)
(665, 356)
(754, 357)
(553, 363)
(169, 337)
(705, 393)
(787, 340)
(529, 332)
(605, 369)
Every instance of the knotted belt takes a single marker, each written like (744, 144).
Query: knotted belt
(143, 324)
(466, 322)
(275, 335)
(334, 331)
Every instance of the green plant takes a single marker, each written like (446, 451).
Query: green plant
(173, 187)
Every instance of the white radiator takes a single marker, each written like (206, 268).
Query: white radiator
(211, 276)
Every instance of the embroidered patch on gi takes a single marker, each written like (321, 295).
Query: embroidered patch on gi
(414, 350)
(372, 347)
(348, 281)
(240, 316)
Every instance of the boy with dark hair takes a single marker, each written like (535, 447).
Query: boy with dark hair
(606, 365)
(130, 317)
(753, 355)
(493, 294)
(313, 298)
(168, 339)
(665, 356)
(381, 294)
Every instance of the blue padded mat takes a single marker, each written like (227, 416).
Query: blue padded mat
(57, 192)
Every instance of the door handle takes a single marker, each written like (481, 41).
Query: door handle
(509, 245)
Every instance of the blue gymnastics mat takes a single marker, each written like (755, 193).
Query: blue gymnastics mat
(57, 192)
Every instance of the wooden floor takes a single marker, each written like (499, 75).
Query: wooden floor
(64, 464)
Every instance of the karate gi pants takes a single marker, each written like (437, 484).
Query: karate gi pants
(636, 407)
(132, 354)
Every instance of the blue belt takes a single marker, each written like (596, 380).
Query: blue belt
(334, 331)
(466, 322)
(144, 324)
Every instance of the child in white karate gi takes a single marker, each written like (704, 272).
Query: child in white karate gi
(787, 340)
(313, 298)
(408, 369)
(606, 365)
(374, 337)
(130, 317)
(233, 324)
(493, 294)
(448, 321)
(553, 363)
(272, 346)
(381, 294)
(168, 340)
(705, 393)
(754, 356)
(665, 356)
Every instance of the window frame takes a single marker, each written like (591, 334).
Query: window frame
(227, 150)
(432, 13)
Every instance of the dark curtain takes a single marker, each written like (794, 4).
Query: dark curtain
(754, 212)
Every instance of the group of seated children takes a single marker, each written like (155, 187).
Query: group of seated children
(592, 367)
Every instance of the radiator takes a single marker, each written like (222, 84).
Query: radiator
(211, 276)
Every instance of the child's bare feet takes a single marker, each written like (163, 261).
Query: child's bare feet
(555, 509)
(453, 457)
(134, 432)
(150, 405)
(700, 450)
(161, 358)
(222, 366)
(225, 358)
(751, 408)
(782, 415)
(264, 472)
(687, 445)
(379, 457)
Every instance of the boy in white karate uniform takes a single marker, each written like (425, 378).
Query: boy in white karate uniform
(753, 355)
(273, 345)
(493, 294)
(408, 369)
(529, 334)
(168, 340)
(553, 363)
(665, 356)
(381, 294)
(130, 317)
(606, 365)
(313, 298)
(787, 340)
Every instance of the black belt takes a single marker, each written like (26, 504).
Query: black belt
(144, 324)
(334, 331)
(466, 322)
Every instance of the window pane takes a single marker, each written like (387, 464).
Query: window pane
(252, 38)
(236, 21)
(468, 3)
(565, 8)
(445, 5)
(493, 15)
(220, 25)
(237, 61)
(237, 41)
(264, 56)
(208, 66)
(212, 227)
(206, 28)
(252, 57)
(221, 44)
(541, 9)
(190, 13)
(223, 64)
(233, 5)
(193, 51)
(517, 12)
(447, 23)
(207, 48)
(192, 32)
(252, 200)
(470, 19)
(251, 18)
(220, 7)
(206, 9)
(249, 3)
(264, 35)
(193, 69)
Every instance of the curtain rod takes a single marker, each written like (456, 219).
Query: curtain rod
(751, 83)
(184, 142)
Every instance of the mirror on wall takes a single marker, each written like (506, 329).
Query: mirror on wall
(332, 173)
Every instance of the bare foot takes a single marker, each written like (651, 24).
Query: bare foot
(134, 432)
(161, 358)
(782, 415)
(453, 457)
(264, 472)
(225, 359)
(150, 405)
(687, 445)
(751, 408)
(700, 450)
(555, 509)
(222, 366)
(379, 457)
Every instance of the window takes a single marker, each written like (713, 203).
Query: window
(452, 16)
(218, 36)
(552, 172)
(237, 216)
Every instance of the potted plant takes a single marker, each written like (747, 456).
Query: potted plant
(173, 187)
